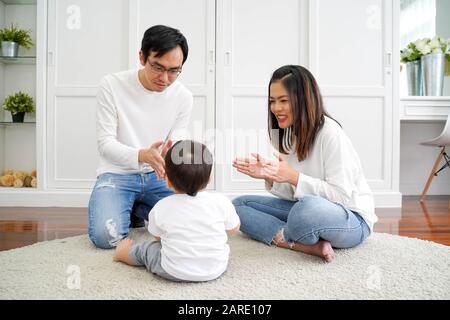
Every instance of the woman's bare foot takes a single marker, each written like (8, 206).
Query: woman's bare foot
(321, 249)
(122, 253)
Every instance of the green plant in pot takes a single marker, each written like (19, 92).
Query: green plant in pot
(13, 37)
(19, 104)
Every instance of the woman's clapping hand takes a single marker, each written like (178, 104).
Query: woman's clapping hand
(253, 167)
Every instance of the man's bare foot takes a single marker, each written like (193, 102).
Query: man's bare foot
(321, 249)
(122, 253)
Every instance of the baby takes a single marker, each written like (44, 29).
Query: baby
(190, 226)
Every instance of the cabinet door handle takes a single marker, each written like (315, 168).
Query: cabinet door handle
(389, 59)
(50, 61)
(228, 58)
(211, 57)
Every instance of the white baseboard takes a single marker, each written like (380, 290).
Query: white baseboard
(80, 198)
(388, 199)
(36, 198)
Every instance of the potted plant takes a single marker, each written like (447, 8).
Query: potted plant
(18, 104)
(434, 52)
(13, 37)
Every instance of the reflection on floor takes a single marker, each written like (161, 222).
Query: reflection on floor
(24, 226)
(429, 220)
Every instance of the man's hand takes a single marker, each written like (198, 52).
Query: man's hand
(154, 158)
(166, 148)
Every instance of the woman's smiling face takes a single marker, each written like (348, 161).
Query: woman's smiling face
(280, 105)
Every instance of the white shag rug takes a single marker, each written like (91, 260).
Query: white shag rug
(384, 267)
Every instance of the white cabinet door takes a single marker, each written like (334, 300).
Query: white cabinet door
(196, 20)
(351, 55)
(255, 37)
(86, 40)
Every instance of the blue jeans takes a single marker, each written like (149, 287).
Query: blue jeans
(114, 198)
(306, 221)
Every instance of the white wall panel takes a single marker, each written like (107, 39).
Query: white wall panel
(265, 35)
(75, 156)
(350, 49)
(362, 119)
(91, 40)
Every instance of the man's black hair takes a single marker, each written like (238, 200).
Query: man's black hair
(161, 39)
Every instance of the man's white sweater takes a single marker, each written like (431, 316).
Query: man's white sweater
(130, 118)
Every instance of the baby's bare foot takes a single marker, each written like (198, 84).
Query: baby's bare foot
(122, 253)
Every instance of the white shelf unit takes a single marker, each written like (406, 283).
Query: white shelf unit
(424, 108)
(18, 141)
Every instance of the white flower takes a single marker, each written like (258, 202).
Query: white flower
(406, 53)
(423, 46)
(435, 44)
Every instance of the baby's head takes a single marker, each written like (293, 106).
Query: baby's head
(188, 166)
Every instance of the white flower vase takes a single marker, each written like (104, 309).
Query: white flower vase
(433, 67)
(414, 76)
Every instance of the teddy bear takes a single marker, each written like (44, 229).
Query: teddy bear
(7, 180)
(18, 179)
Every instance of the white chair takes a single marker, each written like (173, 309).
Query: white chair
(442, 141)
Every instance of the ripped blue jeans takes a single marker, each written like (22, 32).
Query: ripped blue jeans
(114, 198)
(305, 221)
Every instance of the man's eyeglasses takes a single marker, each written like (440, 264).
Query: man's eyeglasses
(172, 73)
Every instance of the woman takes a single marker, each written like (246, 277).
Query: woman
(322, 198)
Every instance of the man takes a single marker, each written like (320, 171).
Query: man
(137, 109)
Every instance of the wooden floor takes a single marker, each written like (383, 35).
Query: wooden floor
(24, 226)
